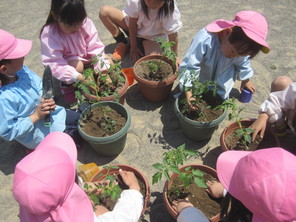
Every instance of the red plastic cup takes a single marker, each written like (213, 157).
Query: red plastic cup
(129, 73)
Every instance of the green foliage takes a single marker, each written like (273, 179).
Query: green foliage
(198, 89)
(100, 84)
(243, 133)
(171, 162)
(153, 66)
(110, 189)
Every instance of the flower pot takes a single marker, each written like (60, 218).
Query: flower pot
(121, 93)
(269, 136)
(109, 145)
(99, 176)
(168, 184)
(196, 130)
(155, 91)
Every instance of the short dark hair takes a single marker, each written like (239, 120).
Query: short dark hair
(242, 43)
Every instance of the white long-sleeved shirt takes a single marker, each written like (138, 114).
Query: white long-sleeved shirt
(281, 103)
(127, 209)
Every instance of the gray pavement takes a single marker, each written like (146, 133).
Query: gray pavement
(154, 127)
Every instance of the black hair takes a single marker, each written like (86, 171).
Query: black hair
(232, 210)
(166, 10)
(243, 44)
(70, 12)
(4, 61)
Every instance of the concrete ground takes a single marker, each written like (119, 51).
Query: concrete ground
(154, 127)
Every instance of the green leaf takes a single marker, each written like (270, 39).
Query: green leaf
(197, 173)
(191, 153)
(158, 166)
(156, 177)
(200, 182)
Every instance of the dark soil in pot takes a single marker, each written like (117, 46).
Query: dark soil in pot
(102, 121)
(165, 70)
(233, 143)
(109, 203)
(206, 113)
(198, 197)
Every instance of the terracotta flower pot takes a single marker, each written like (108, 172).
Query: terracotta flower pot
(99, 176)
(155, 91)
(121, 93)
(246, 123)
(168, 184)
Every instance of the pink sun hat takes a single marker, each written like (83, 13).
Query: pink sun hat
(252, 23)
(13, 48)
(263, 180)
(44, 183)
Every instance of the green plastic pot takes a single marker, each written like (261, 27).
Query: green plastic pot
(110, 145)
(196, 130)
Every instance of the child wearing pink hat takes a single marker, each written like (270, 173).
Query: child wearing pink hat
(222, 51)
(44, 186)
(21, 106)
(260, 187)
(279, 109)
(69, 41)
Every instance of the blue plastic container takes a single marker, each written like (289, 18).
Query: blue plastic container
(245, 96)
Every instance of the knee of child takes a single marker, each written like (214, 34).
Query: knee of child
(104, 10)
(77, 64)
(280, 83)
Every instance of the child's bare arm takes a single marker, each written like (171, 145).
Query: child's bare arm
(130, 179)
(133, 28)
(215, 189)
(259, 125)
(249, 85)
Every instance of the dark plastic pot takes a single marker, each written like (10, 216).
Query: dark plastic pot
(269, 134)
(110, 145)
(121, 93)
(196, 130)
(168, 184)
(99, 176)
(155, 91)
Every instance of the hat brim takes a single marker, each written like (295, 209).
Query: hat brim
(61, 141)
(226, 165)
(221, 24)
(23, 47)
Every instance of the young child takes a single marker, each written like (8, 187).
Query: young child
(279, 109)
(222, 51)
(69, 41)
(44, 186)
(143, 21)
(259, 186)
(21, 106)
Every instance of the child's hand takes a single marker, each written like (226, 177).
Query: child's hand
(249, 85)
(135, 54)
(129, 179)
(259, 125)
(215, 189)
(181, 205)
(43, 109)
(189, 98)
